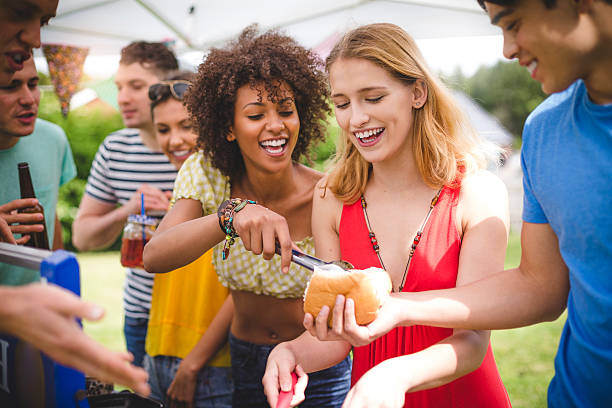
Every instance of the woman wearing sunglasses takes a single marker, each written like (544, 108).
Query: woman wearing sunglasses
(173, 128)
(258, 106)
(187, 357)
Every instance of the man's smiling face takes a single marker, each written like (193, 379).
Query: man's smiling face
(20, 22)
(552, 43)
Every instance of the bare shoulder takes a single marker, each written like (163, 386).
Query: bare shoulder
(325, 203)
(323, 193)
(483, 195)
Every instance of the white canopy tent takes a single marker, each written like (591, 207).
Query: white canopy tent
(105, 26)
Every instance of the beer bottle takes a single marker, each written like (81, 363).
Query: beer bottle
(37, 239)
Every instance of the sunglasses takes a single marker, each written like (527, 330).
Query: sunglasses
(164, 89)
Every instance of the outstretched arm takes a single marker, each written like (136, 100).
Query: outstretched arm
(98, 223)
(184, 234)
(534, 292)
(181, 237)
(44, 316)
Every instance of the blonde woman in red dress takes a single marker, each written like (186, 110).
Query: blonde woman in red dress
(408, 194)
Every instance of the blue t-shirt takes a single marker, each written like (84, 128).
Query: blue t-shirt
(51, 165)
(567, 168)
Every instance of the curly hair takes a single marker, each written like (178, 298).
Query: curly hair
(154, 56)
(268, 59)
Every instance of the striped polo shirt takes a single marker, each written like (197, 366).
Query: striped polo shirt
(121, 165)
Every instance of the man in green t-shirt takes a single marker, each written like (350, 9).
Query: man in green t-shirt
(43, 315)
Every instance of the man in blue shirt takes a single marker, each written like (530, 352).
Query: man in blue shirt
(566, 237)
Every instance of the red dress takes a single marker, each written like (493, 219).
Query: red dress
(434, 266)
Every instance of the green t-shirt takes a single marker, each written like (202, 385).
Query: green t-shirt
(51, 165)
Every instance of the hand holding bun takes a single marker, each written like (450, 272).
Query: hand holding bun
(368, 288)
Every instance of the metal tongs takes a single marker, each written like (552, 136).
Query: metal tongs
(310, 262)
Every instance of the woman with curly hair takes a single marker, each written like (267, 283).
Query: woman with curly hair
(258, 105)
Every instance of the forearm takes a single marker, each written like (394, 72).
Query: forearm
(98, 231)
(454, 357)
(315, 355)
(213, 339)
(509, 299)
(9, 310)
(181, 244)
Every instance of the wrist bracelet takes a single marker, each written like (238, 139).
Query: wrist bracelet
(226, 212)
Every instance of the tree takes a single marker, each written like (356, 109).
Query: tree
(507, 91)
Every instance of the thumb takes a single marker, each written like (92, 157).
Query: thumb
(70, 304)
(92, 312)
(287, 380)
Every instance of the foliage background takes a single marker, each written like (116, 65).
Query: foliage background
(86, 127)
(506, 90)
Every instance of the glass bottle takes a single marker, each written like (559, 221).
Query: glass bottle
(37, 239)
(137, 232)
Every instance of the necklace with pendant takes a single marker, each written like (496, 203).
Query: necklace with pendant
(415, 241)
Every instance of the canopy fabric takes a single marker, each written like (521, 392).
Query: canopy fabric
(105, 26)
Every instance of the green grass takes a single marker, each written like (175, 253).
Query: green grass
(102, 280)
(524, 356)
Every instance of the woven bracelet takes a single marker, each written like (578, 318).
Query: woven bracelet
(226, 212)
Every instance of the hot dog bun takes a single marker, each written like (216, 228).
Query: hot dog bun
(368, 288)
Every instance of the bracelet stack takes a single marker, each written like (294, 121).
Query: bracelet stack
(226, 213)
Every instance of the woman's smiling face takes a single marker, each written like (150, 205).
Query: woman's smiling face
(174, 130)
(265, 131)
(373, 107)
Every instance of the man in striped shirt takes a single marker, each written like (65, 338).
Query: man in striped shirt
(129, 163)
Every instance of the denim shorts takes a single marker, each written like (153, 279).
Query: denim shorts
(326, 388)
(214, 385)
(135, 332)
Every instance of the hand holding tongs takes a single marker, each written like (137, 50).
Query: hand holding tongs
(309, 262)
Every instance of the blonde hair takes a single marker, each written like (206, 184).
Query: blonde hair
(444, 144)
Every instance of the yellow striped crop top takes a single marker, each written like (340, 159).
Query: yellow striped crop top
(243, 270)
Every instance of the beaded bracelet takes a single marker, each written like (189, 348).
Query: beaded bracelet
(226, 212)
